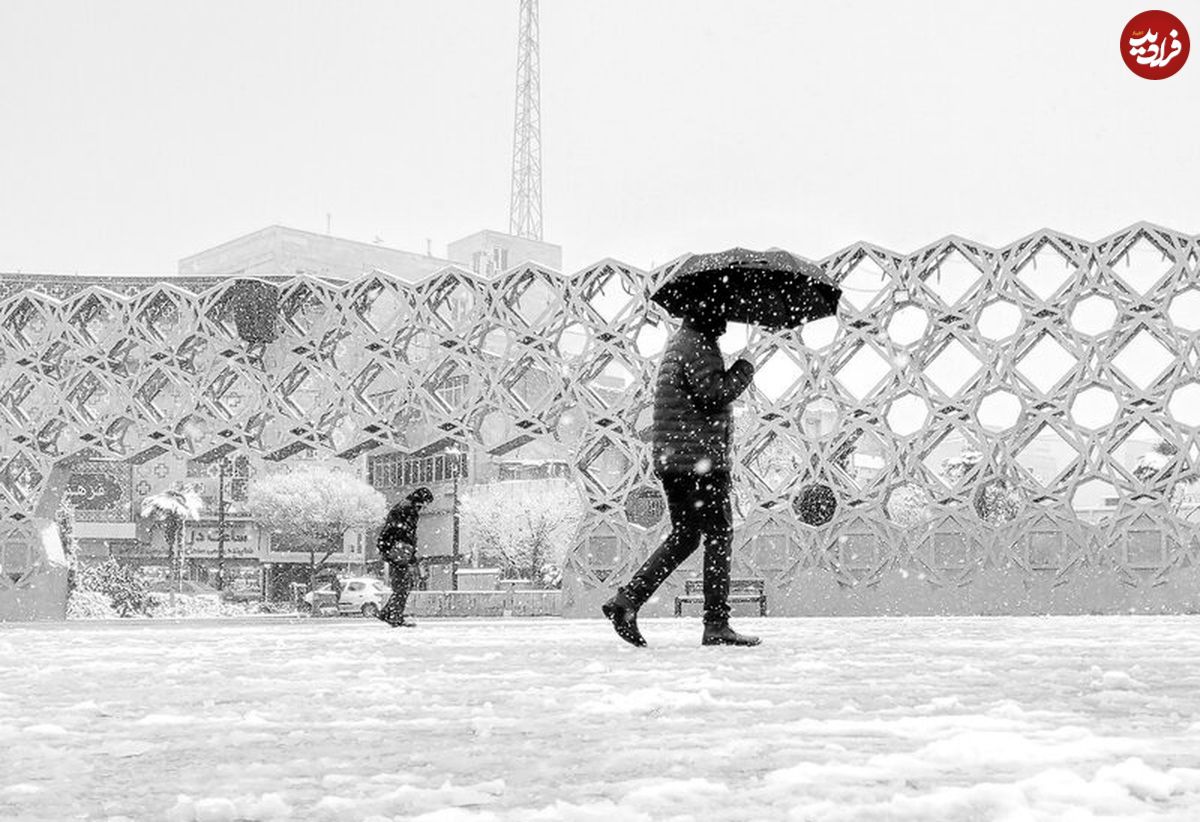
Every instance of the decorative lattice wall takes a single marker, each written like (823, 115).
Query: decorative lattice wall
(978, 430)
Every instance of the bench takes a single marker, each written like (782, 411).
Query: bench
(740, 590)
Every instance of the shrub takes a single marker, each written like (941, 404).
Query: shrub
(126, 591)
(89, 605)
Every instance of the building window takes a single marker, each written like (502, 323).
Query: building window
(453, 390)
(403, 471)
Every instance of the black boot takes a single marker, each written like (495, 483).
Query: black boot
(719, 633)
(623, 615)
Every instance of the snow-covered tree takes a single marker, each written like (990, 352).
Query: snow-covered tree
(908, 505)
(313, 506)
(1161, 462)
(525, 528)
(996, 501)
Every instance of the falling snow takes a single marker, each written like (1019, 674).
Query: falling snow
(1089, 718)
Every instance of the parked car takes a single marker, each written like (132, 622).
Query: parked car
(360, 595)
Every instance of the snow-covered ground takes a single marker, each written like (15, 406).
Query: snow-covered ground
(1092, 718)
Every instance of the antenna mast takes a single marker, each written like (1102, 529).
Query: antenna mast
(525, 208)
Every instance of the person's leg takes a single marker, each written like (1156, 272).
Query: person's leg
(406, 582)
(683, 504)
(393, 610)
(622, 609)
(716, 521)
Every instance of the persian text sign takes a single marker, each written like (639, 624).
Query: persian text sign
(243, 539)
(100, 491)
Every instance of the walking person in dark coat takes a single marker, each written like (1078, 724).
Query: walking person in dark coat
(692, 435)
(397, 545)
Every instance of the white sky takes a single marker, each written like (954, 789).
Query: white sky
(138, 132)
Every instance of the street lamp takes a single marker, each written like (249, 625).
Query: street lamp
(221, 525)
(455, 453)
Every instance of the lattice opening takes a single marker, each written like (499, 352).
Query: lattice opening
(907, 414)
(778, 376)
(651, 339)
(1185, 310)
(908, 505)
(162, 317)
(383, 308)
(571, 425)
(1094, 500)
(498, 342)
(954, 459)
(1047, 456)
(606, 465)
(1046, 363)
(819, 335)
(815, 505)
(820, 418)
(574, 341)
(1142, 265)
(1046, 271)
(611, 296)
(775, 461)
(535, 299)
(863, 283)
(1094, 315)
(453, 302)
(952, 277)
(908, 324)
(1142, 360)
(863, 372)
(998, 501)
(952, 368)
(1094, 408)
(1184, 405)
(645, 506)
(861, 457)
(999, 320)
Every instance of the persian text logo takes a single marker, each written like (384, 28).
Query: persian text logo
(1155, 45)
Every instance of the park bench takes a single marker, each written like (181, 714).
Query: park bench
(740, 590)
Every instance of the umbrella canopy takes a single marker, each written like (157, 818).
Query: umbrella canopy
(770, 288)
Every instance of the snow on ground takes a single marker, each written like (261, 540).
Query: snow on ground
(1006, 719)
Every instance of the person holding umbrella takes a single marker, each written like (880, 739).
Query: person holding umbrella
(692, 428)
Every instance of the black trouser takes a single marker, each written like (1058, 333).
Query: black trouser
(400, 577)
(699, 506)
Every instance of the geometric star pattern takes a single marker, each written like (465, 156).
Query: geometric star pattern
(971, 412)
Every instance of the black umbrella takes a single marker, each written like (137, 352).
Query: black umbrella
(771, 288)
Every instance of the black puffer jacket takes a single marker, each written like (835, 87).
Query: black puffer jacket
(397, 541)
(692, 416)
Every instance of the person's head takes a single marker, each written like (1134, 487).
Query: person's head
(710, 325)
(420, 498)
